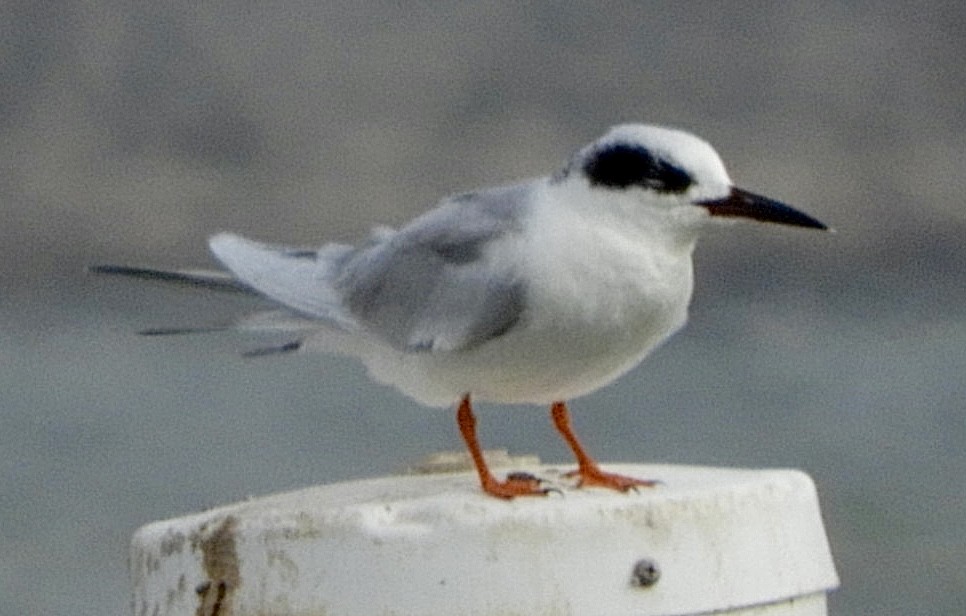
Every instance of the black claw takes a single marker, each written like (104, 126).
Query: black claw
(654, 484)
(522, 476)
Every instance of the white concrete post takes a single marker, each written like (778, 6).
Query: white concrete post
(708, 540)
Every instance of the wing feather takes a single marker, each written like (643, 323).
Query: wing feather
(431, 286)
(216, 281)
(297, 278)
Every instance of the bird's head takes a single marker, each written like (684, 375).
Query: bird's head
(672, 172)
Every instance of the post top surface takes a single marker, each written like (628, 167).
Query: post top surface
(717, 538)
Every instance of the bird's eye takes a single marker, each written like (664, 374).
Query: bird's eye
(622, 165)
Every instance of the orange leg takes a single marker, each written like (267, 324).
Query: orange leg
(587, 469)
(517, 484)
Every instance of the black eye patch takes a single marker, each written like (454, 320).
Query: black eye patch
(621, 165)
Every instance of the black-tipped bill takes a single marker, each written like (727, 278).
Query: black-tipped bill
(743, 204)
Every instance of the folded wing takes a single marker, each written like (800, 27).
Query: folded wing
(432, 286)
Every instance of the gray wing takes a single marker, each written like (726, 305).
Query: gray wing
(298, 279)
(430, 286)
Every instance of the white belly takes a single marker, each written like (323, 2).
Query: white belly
(583, 327)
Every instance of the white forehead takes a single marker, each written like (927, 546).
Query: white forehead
(681, 148)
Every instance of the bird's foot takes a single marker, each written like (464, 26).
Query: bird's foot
(593, 476)
(516, 484)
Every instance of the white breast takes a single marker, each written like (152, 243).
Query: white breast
(599, 297)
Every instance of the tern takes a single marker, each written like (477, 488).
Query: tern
(533, 293)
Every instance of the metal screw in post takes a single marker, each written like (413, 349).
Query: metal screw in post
(645, 574)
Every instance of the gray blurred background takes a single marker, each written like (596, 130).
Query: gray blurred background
(129, 132)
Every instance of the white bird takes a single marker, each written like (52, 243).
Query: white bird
(534, 293)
